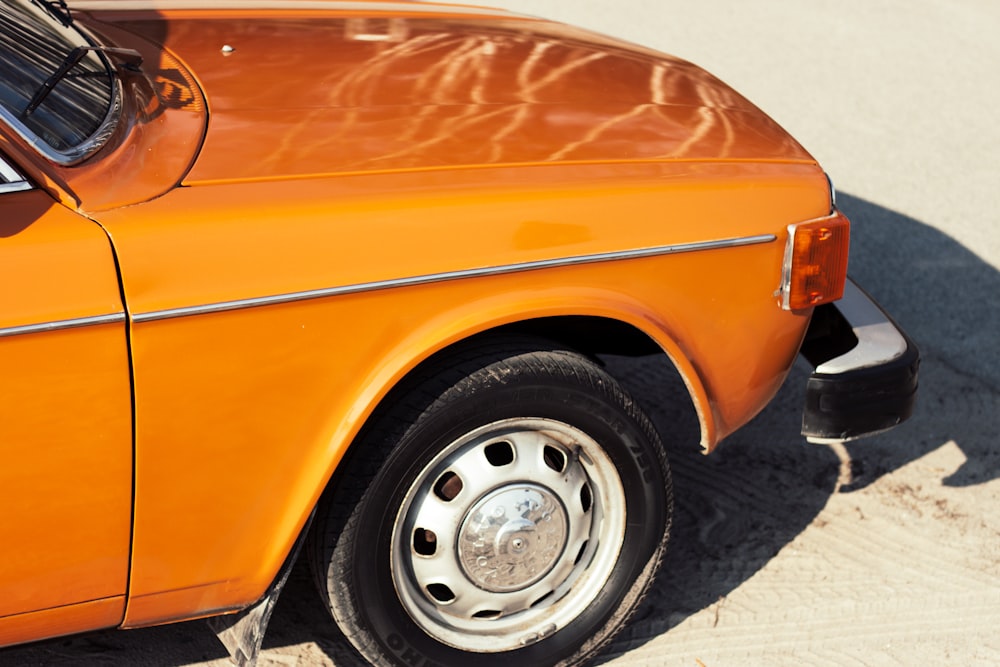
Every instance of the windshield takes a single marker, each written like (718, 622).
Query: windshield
(75, 116)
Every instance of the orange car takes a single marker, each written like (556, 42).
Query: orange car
(336, 274)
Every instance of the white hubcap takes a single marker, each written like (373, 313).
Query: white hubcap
(508, 534)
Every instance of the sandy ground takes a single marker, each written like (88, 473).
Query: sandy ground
(886, 552)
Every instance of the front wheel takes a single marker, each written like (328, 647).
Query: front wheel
(515, 505)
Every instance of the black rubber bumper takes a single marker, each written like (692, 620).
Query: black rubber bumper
(868, 392)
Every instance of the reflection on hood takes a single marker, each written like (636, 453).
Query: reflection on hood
(312, 92)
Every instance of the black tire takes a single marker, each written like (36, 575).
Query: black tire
(514, 505)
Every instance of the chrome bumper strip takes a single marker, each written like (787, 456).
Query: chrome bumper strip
(879, 341)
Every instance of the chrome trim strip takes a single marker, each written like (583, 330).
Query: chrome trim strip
(8, 173)
(450, 275)
(13, 181)
(833, 193)
(14, 187)
(380, 7)
(59, 325)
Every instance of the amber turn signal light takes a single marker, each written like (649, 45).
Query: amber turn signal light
(815, 262)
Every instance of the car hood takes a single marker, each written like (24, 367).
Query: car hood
(320, 88)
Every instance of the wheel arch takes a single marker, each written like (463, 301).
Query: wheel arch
(460, 387)
(591, 335)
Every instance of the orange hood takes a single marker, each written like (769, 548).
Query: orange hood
(326, 88)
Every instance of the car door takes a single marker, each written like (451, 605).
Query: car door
(65, 420)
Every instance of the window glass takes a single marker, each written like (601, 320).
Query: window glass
(33, 46)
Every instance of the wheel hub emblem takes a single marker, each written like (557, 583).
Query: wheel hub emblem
(512, 537)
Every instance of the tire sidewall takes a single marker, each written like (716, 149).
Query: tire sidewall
(628, 440)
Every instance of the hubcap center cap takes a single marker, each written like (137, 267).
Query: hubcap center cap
(512, 537)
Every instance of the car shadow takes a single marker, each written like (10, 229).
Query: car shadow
(946, 297)
(737, 508)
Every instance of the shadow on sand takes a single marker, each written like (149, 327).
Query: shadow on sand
(737, 508)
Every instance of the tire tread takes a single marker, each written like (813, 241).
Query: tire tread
(428, 390)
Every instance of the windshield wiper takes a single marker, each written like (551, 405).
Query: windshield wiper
(129, 58)
(58, 10)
